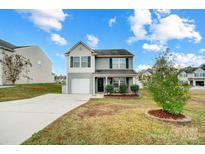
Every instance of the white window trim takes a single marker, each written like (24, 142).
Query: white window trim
(79, 61)
(84, 61)
(118, 63)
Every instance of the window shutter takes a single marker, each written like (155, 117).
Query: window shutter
(110, 80)
(110, 63)
(89, 61)
(127, 63)
(127, 81)
(71, 61)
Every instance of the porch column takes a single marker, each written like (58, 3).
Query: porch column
(94, 85)
(106, 80)
(194, 82)
(133, 80)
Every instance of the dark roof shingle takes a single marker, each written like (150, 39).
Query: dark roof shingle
(115, 72)
(113, 52)
(6, 44)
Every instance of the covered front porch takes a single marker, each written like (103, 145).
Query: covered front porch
(116, 79)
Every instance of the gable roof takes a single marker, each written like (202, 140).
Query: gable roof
(103, 52)
(80, 42)
(190, 69)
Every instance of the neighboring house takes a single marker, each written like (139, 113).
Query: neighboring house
(41, 70)
(143, 74)
(89, 70)
(60, 78)
(194, 76)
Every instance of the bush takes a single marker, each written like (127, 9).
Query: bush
(109, 89)
(123, 89)
(134, 88)
(165, 87)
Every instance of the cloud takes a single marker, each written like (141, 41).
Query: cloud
(160, 30)
(174, 27)
(57, 39)
(60, 55)
(112, 21)
(162, 13)
(184, 60)
(152, 47)
(202, 50)
(46, 19)
(92, 40)
(138, 21)
(143, 67)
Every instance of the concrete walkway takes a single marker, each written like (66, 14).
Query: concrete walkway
(197, 88)
(21, 118)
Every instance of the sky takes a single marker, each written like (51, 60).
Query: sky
(145, 33)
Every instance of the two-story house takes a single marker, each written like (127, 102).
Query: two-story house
(41, 70)
(194, 76)
(90, 70)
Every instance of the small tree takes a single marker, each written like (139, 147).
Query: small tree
(109, 89)
(15, 66)
(165, 86)
(134, 88)
(123, 89)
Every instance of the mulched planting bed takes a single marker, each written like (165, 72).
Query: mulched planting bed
(121, 96)
(163, 114)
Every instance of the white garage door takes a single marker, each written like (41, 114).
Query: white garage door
(80, 86)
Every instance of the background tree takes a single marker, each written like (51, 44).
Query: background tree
(15, 66)
(164, 85)
(203, 66)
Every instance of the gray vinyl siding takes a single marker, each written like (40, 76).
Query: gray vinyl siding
(104, 63)
(79, 76)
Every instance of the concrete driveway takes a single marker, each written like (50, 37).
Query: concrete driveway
(21, 118)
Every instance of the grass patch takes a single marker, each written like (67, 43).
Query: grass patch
(23, 91)
(118, 121)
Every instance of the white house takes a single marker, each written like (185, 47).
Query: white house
(90, 70)
(194, 76)
(41, 70)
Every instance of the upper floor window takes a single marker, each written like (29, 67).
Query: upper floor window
(85, 61)
(75, 62)
(183, 75)
(199, 74)
(78, 61)
(118, 63)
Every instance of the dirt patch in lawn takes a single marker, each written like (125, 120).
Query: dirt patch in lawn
(196, 100)
(163, 114)
(101, 110)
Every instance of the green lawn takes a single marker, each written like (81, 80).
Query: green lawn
(118, 121)
(28, 90)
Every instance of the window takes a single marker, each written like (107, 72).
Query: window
(39, 62)
(183, 75)
(118, 81)
(76, 61)
(85, 61)
(199, 74)
(118, 63)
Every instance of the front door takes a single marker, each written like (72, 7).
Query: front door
(100, 85)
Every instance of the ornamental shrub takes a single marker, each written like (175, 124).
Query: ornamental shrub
(165, 86)
(134, 88)
(109, 89)
(123, 88)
